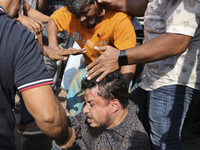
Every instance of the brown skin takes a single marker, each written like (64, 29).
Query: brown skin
(88, 13)
(48, 113)
(30, 18)
(31, 23)
(41, 102)
(159, 48)
(102, 112)
(11, 8)
(52, 34)
(59, 54)
(41, 5)
(131, 7)
(53, 49)
(29, 11)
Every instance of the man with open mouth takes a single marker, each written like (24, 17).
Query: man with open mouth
(108, 119)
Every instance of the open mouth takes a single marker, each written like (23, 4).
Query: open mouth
(91, 22)
(89, 119)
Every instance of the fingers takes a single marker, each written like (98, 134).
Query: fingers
(80, 51)
(96, 70)
(37, 26)
(100, 48)
(104, 1)
(63, 58)
(58, 55)
(101, 76)
(54, 54)
(73, 51)
(92, 67)
(54, 57)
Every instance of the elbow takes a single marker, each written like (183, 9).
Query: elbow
(52, 123)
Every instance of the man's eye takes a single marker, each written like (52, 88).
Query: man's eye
(84, 103)
(91, 104)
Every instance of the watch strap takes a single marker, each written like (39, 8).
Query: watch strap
(122, 59)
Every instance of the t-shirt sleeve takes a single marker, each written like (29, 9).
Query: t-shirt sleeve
(182, 17)
(124, 34)
(61, 17)
(30, 69)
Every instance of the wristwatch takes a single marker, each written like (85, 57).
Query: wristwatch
(122, 59)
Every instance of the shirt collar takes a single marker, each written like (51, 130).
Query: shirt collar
(1, 9)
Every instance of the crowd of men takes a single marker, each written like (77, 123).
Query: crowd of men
(101, 111)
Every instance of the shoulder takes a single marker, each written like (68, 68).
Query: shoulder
(117, 15)
(61, 10)
(14, 33)
(61, 13)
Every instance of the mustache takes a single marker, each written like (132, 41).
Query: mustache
(88, 116)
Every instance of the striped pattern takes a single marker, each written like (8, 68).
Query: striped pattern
(1, 9)
(35, 84)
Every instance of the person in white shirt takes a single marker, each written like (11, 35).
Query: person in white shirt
(170, 78)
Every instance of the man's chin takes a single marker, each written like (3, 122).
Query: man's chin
(91, 124)
(89, 26)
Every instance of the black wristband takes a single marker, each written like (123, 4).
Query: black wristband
(122, 59)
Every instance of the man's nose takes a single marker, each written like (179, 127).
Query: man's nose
(82, 18)
(85, 109)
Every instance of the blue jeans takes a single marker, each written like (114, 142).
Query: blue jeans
(162, 113)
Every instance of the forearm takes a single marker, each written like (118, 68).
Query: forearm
(161, 47)
(136, 7)
(57, 127)
(128, 72)
(49, 115)
(132, 7)
(41, 5)
(38, 15)
(52, 31)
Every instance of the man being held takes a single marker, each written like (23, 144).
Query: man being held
(170, 78)
(90, 24)
(22, 68)
(109, 119)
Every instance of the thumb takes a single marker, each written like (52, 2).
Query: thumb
(100, 48)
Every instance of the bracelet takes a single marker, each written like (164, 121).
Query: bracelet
(122, 59)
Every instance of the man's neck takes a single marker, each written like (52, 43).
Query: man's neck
(119, 117)
(102, 13)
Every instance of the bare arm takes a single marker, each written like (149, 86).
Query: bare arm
(159, 48)
(52, 30)
(53, 51)
(41, 5)
(30, 12)
(59, 54)
(132, 7)
(128, 72)
(48, 113)
(164, 46)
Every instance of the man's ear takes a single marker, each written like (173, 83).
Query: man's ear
(115, 105)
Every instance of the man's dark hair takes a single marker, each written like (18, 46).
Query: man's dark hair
(74, 6)
(113, 86)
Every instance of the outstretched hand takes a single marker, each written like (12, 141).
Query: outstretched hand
(60, 54)
(105, 64)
